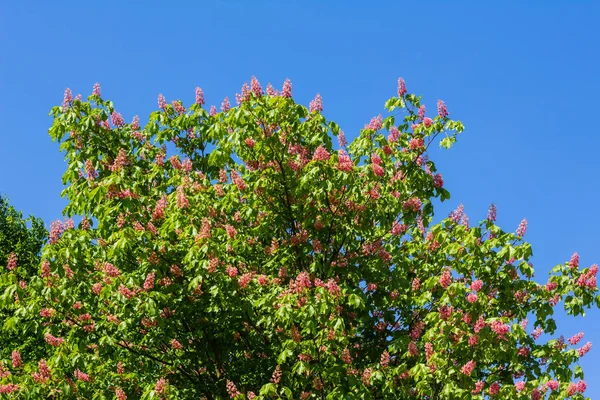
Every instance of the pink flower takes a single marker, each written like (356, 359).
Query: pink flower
(176, 345)
(149, 282)
(120, 394)
(316, 104)
(438, 181)
(536, 333)
(342, 138)
(442, 110)
(500, 328)
(117, 119)
(213, 111)
(401, 87)
(179, 108)
(199, 96)
(53, 340)
(56, 230)
(376, 123)
(8, 388)
(492, 213)
(111, 270)
(413, 204)
(427, 122)
(162, 103)
(12, 261)
(16, 359)
(477, 285)
(574, 263)
(67, 99)
(230, 231)
(520, 386)
(398, 229)
(415, 284)
(394, 134)
(468, 367)
(495, 388)
(270, 90)
(82, 376)
(522, 228)
(161, 386)
(377, 170)
(421, 112)
(584, 349)
(225, 105)
(232, 271)
(96, 90)
(232, 389)
(344, 161)
(479, 325)
(321, 154)
(472, 297)
(478, 387)
(552, 384)
(412, 349)
(581, 386)
(576, 338)
(446, 279)
(255, 86)
(286, 91)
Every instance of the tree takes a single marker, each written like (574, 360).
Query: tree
(236, 254)
(21, 241)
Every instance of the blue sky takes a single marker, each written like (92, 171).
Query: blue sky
(522, 77)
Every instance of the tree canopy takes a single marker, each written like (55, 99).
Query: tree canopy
(239, 254)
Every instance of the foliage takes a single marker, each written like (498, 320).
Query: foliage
(21, 241)
(236, 254)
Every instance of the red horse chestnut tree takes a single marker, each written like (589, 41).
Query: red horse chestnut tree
(239, 254)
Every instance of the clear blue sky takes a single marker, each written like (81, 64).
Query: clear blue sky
(522, 78)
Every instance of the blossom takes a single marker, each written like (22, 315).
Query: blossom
(255, 86)
(394, 134)
(478, 387)
(421, 112)
(427, 122)
(476, 285)
(67, 99)
(53, 340)
(495, 388)
(56, 230)
(12, 261)
(199, 96)
(316, 104)
(573, 340)
(117, 119)
(162, 103)
(232, 389)
(179, 108)
(149, 282)
(225, 105)
(492, 213)
(574, 262)
(344, 161)
(16, 359)
(519, 386)
(522, 228)
(438, 181)
(286, 91)
(175, 344)
(96, 89)
(342, 138)
(442, 110)
(82, 376)
(468, 367)
(446, 278)
(276, 377)
(376, 123)
(321, 154)
(213, 111)
(161, 386)
(472, 297)
(552, 384)
(401, 87)
(584, 349)
(120, 394)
